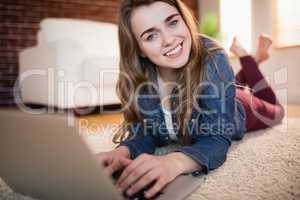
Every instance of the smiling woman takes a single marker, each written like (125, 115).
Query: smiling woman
(168, 39)
(177, 86)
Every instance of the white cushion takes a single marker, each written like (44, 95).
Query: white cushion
(96, 38)
(101, 71)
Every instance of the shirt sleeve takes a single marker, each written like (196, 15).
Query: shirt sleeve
(138, 142)
(216, 115)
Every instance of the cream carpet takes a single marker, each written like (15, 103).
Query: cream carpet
(264, 165)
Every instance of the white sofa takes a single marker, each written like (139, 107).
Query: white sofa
(75, 64)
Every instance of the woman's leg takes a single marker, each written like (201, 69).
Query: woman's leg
(262, 108)
(261, 54)
(250, 73)
(239, 52)
(256, 80)
(264, 43)
(240, 79)
(259, 113)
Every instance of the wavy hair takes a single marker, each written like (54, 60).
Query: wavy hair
(134, 70)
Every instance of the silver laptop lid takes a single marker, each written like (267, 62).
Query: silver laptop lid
(42, 157)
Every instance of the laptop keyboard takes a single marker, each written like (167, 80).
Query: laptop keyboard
(139, 195)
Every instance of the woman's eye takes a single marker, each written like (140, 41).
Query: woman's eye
(174, 22)
(150, 37)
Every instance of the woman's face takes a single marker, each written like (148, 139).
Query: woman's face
(162, 34)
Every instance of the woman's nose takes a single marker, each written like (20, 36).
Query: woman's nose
(168, 38)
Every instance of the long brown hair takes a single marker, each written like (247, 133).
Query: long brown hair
(133, 71)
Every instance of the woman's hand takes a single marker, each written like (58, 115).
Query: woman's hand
(148, 168)
(114, 160)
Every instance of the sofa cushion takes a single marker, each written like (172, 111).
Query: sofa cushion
(101, 71)
(96, 38)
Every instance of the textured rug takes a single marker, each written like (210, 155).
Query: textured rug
(264, 165)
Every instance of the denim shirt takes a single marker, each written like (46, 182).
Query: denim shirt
(220, 120)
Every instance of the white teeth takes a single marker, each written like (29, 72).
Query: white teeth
(174, 51)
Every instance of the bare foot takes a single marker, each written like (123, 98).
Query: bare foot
(237, 49)
(264, 43)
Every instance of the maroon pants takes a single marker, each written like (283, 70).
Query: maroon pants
(261, 105)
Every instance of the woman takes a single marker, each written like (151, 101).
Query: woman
(177, 86)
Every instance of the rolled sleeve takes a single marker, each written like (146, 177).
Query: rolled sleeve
(139, 146)
(138, 143)
(209, 151)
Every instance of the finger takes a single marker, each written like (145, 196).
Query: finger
(103, 159)
(157, 187)
(148, 178)
(118, 164)
(135, 175)
(125, 161)
(108, 171)
(135, 163)
(131, 170)
(115, 166)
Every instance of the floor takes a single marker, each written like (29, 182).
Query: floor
(264, 165)
(293, 110)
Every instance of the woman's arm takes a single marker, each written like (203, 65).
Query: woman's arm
(139, 142)
(216, 116)
(183, 163)
(209, 152)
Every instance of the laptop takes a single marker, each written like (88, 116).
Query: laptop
(42, 157)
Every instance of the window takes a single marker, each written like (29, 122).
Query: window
(235, 20)
(287, 23)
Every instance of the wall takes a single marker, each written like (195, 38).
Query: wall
(19, 23)
(283, 67)
(280, 59)
(207, 6)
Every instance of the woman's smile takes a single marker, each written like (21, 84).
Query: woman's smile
(175, 52)
(163, 38)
